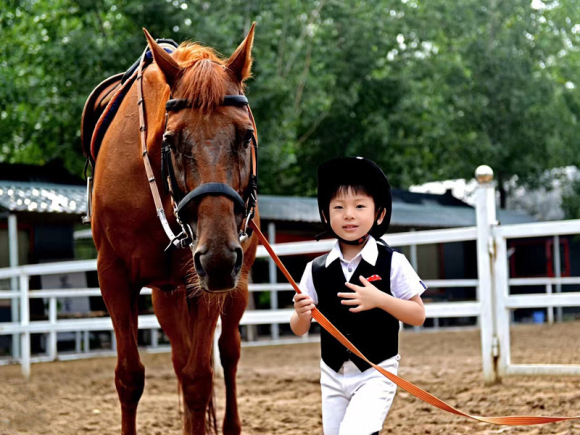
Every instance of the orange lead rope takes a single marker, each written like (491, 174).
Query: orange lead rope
(416, 391)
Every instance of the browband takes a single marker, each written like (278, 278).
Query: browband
(175, 105)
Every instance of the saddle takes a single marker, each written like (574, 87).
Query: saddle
(100, 110)
(105, 100)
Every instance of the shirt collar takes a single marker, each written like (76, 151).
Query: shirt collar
(369, 253)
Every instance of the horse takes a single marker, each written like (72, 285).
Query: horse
(206, 143)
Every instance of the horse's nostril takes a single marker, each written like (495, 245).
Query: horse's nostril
(239, 260)
(198, 266)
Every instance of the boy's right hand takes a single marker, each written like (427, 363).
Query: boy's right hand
(303, 305)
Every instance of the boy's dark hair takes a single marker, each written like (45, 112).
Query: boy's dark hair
(356, 189)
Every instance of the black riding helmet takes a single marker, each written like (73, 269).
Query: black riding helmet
(354, 171)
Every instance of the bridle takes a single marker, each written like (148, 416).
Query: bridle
(211, 188)
(187, 237)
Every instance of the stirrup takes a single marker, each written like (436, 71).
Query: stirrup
(87, 219)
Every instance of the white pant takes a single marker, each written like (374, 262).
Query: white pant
(355, 402)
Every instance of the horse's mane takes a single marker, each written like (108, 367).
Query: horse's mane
(204, 79)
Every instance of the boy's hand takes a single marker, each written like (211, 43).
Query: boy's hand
(303, 306)
(365, 297)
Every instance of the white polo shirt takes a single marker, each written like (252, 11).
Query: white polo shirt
(405, 283)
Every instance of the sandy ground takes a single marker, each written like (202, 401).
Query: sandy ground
(279, 391)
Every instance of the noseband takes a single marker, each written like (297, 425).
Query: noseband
(186, 238)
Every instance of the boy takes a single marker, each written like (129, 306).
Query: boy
(381, 289)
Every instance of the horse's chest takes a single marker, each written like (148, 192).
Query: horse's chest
(160, 271)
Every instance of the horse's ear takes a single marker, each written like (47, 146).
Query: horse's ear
(168, 66)
(240, 63)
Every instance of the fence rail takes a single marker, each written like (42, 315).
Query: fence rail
(493, 305)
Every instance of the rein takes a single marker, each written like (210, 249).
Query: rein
(186, 238)
(407, 386)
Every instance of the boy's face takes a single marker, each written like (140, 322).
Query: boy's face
(352, 215)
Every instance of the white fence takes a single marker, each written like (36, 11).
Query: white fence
(504, 302)
(492, 306)
(53, 325)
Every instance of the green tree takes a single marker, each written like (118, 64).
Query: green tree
(429, 90)
(571, 200)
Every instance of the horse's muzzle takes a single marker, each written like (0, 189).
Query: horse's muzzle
(218, 269)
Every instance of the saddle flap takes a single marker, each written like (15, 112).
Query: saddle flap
(94, 108)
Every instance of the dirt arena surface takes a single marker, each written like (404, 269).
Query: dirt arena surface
(279, 391)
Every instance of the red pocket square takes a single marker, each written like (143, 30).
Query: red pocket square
(374, 278)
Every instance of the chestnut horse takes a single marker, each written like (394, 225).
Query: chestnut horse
(208, 142)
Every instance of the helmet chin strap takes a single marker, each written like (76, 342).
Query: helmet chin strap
(358, 241)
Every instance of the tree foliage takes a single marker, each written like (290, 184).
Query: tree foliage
(429, 90)
(571, 200)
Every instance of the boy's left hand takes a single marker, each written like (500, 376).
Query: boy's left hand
(366, 297)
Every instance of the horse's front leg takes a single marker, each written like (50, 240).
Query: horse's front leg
(197, 375)
(172, 312)
(121, 300)
(230, 351)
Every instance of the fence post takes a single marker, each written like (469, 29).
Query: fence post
(485, 218)
(24, 322)
(273, 274)
(52, 335)
(502, 314)
(13, 258)
(558, 273)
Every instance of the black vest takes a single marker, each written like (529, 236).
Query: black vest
(374, 332)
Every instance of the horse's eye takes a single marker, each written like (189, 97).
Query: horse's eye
(248, 135)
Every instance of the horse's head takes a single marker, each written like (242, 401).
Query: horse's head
(210, 142)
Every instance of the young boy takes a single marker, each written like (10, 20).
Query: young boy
(364, 288)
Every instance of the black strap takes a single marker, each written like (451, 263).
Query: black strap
(382, 242)
(235, 100)
(213, 189)
(176, 104)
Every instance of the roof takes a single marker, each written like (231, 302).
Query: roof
(409, 210)
(41, 189)
(21, 196)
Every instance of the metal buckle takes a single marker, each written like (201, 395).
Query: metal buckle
(182, 240)
(243, 234)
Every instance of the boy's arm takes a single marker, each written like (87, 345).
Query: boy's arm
(304, 303)
(367, 296)
(302, 315)
(411, 311)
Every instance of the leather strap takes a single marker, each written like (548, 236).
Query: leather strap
(407, 386)
(177, 104)
(148, 169)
